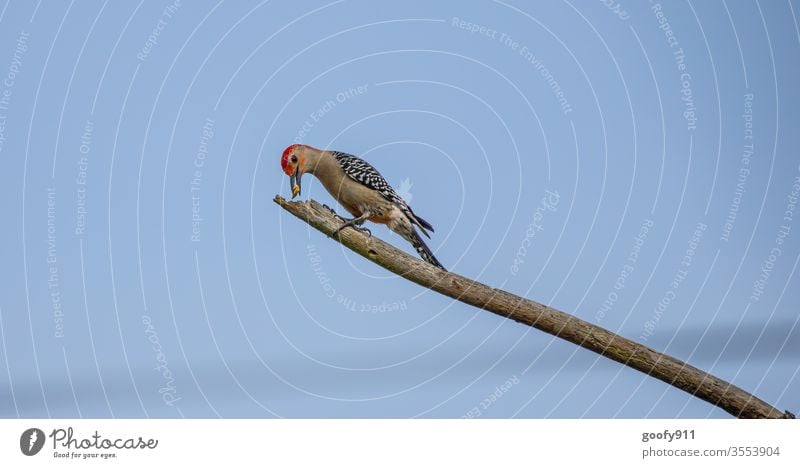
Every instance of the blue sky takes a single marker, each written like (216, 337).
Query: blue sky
(633, 163)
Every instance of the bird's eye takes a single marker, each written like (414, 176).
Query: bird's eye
(294, 158)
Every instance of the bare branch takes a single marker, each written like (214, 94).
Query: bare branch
(679, 374)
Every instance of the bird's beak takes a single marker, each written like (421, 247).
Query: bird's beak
(294, 181)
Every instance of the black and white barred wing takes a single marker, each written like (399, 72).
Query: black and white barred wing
(363, 172)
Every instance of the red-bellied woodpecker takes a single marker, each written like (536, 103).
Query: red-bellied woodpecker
(361, 190)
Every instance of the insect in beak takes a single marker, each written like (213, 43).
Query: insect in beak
(294, 181)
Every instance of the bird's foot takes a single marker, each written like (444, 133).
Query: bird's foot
(363, 230)
(354, 223)
(333, 212)
(335, 215)
(339, 229)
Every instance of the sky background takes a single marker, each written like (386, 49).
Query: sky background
(586, 155)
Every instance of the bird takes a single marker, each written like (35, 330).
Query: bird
(361, 190)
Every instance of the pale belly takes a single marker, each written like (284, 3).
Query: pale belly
(357, 199)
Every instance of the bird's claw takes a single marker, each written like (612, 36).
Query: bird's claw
(338, 230)
(335, 215)
(352, 224)
(363, 230)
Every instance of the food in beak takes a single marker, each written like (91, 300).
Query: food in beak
(294, 181)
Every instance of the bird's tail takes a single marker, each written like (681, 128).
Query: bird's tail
(423, 250)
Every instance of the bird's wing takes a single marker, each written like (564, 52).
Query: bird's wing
(363, 173)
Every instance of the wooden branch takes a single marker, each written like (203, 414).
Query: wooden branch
(679, 374)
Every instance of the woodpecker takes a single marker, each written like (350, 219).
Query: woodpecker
(361, 190)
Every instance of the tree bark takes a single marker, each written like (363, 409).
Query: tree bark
(679, 374)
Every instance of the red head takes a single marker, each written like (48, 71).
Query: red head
(293, 164)
(288, 165)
